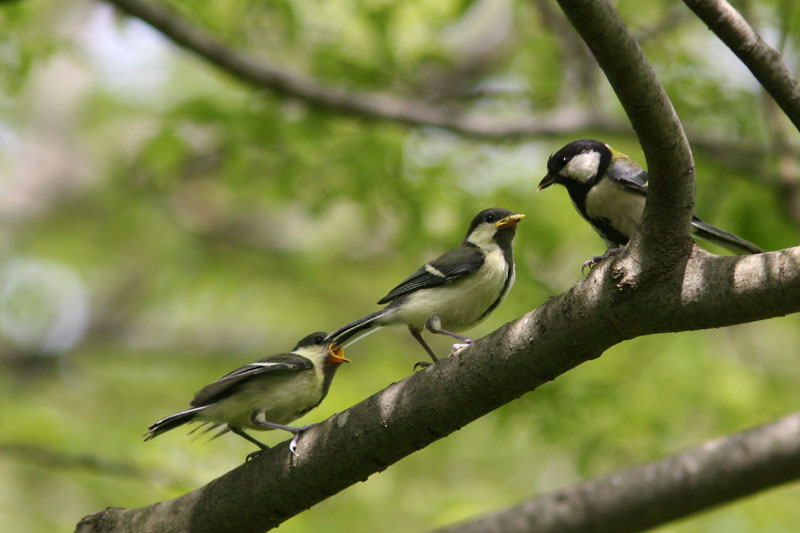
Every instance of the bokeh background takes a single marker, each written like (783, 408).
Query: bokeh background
(162, 223)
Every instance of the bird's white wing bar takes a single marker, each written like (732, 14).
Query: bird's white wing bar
(433, 271)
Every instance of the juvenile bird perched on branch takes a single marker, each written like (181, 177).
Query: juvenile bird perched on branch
(264, 395)
(454, 291)
(609, 189)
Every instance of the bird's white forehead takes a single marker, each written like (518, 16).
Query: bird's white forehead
(582, 167)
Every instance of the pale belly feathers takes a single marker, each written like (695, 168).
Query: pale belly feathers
(621, 207)
(282, 399)
(463, 303)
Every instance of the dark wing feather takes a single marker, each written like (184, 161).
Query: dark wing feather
(723, 238)
(453, 265)
(226, 384)
(629, 174)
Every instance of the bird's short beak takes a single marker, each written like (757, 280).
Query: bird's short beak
(336, 354)
(510, 221)
(546, 182)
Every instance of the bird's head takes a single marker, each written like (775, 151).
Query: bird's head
(578, 163)
(312, 341)
(319, 349)
(492, 223)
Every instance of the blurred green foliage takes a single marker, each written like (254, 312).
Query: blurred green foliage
(211, 224)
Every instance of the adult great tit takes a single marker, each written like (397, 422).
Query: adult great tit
(264, 395)
(609, 189)
(454, 291)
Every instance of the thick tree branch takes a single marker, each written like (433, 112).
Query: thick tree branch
(711, 291)
(763, 61)
(663, 233)
(713, 473)
(378, 105)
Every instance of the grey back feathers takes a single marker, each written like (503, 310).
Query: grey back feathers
(227, 384)
(446, 268)
(629, 174)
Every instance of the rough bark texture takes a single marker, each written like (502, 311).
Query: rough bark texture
(763, 61)
(632, 500)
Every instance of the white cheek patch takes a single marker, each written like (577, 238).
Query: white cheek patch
(483, 235)
(582, 167)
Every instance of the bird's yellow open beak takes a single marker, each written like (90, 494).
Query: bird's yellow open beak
(510, 221)
(336, 354)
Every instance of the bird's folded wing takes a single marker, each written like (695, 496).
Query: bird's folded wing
(226, 384)
(447, 268)
(629, 174)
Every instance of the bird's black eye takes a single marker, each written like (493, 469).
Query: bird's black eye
(319, 339)
(564, 159)
(489, 218)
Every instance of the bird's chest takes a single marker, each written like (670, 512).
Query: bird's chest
(613, 211)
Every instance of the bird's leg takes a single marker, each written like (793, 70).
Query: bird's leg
(271, 425)
(596, 259)
(417, 334)
(434, 325)
(247, 437)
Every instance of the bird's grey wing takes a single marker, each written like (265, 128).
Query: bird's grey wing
(446, 268)
(629, 174)
(225, 385)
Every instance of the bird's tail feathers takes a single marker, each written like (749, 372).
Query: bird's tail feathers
(208, 427)
(364, 325)
(219, 433)
(352, 340)
(171, 422)
(723, 238)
